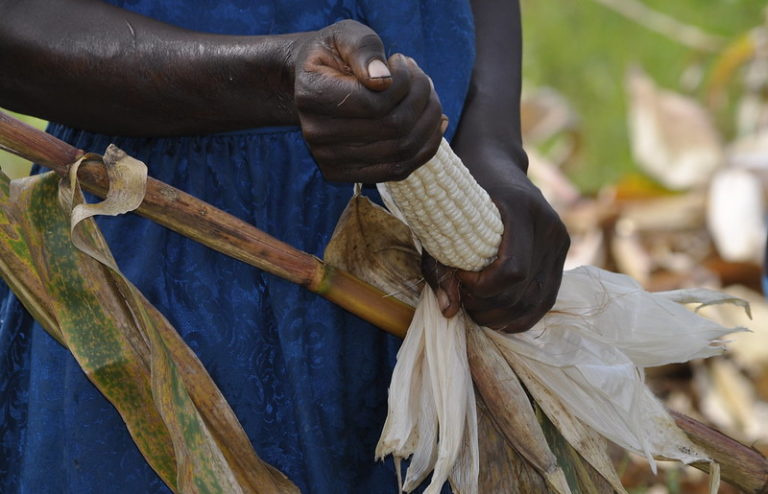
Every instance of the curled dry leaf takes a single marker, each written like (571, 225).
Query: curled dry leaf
(177, 417)
(377, 248)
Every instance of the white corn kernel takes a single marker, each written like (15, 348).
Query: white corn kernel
(449, 212)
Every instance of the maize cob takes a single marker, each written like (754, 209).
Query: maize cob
(449, 212)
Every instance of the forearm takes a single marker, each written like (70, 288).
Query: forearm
(97, 67)
(488, 137)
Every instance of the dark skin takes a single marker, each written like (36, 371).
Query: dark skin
(366, 118)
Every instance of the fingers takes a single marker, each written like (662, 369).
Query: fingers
(326, 91)
(363, 52)
(520, 308)
(358, 135)
(365, 118)
(513, 265)
(445, 284)
(383, 160)
(362, 115)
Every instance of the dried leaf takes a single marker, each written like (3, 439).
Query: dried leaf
(704, 297)
(649, 328)
(590, 445)
(629, 253)
(378, 248)
(16, 261)
(679, 212)
(510, 408)
(580, 475)
(127, 185)
(545, 113)
(503, 468)
(174, 412)
(750, 151)
(738, 397)
(559, 191)
(748, 349)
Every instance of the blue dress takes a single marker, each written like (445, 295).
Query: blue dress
(308, 381)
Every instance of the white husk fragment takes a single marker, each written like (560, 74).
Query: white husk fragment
(703, 297)
(432, 411)
(589, 350)
(582, 363)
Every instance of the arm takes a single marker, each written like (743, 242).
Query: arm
(94, 66)
(517, 289)
(97, 67)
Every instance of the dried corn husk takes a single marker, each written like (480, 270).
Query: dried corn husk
(377, 248)
(582, 364)
(589, 350)
(432, 414)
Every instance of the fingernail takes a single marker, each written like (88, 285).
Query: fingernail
(378, 70)
(442, 299)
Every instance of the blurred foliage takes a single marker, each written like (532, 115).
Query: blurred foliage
(12, 165)
(582, 49)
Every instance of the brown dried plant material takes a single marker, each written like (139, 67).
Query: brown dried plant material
(510, 407)
(377, 248)
(502, 469)
(177, 417)
(590, 445)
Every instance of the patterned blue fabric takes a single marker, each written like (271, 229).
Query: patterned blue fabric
(307, 380)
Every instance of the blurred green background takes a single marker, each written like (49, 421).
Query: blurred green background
(582, 49)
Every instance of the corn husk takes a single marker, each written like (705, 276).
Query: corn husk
(432, 414)
(582, 363)
(583, 366)
(589, 350)
(377, 247)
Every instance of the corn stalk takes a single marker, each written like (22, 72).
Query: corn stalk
(742, 466)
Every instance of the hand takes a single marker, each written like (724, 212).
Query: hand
(365, 118)
(520, 286)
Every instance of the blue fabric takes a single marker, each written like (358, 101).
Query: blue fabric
(307, 381)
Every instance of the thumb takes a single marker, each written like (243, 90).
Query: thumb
(445, 284)
(363, 51)
(448, 295)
